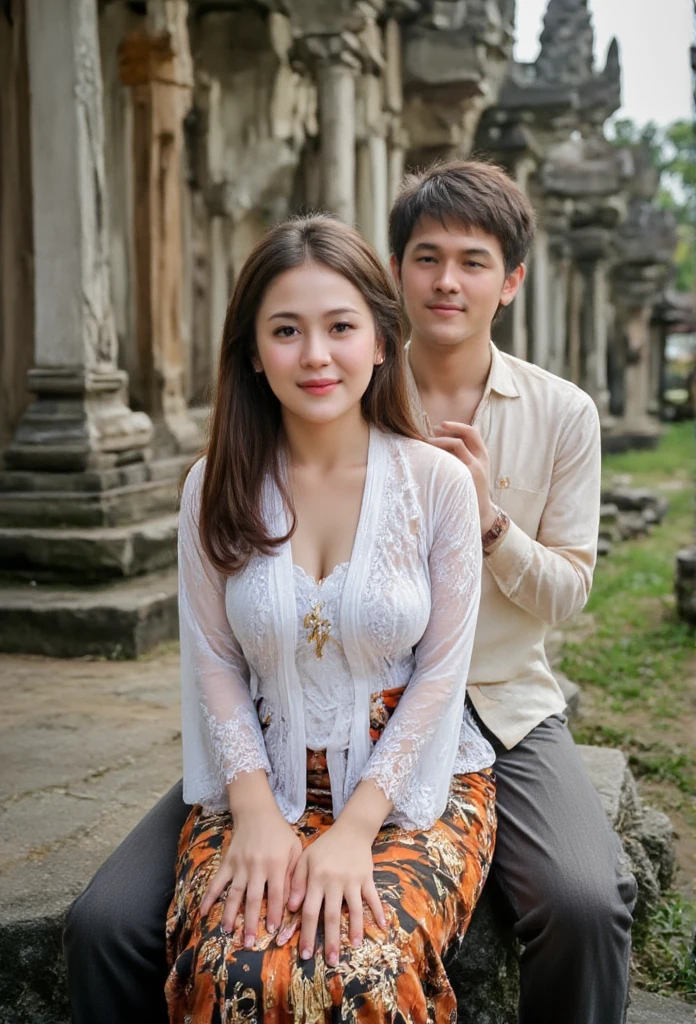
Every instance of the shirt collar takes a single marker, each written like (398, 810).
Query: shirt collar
(500, 377)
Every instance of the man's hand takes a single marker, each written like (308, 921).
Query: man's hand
(466, 444)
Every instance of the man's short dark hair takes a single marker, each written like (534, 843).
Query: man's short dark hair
(472, 193)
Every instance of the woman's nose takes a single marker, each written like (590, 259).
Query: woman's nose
(315, 351)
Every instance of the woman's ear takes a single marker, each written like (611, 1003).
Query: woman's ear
(256, 363)
(379, 352)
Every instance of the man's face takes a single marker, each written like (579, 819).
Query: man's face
(453, 280)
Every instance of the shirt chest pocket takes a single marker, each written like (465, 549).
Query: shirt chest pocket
(522, 502)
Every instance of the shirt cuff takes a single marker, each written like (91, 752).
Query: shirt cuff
(510, 559)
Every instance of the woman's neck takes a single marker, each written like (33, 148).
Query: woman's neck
(327, 446)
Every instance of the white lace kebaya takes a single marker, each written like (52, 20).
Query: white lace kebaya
(406, 605)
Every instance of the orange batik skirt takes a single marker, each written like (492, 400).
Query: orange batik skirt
(429, 883)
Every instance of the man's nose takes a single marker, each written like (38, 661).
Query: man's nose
(446, 280)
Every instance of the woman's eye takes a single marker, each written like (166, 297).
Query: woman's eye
(341, 327)
(285, 332)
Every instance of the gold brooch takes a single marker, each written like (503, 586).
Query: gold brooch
(319, 629)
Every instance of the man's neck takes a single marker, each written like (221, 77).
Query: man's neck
(450, 370)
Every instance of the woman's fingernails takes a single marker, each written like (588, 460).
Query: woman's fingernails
(333, 960)
(306, 954)
(357, 943)
(271, 929)
(249, 941)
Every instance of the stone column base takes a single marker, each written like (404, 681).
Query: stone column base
(79, 420)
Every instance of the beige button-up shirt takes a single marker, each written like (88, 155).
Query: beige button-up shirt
(543, 442)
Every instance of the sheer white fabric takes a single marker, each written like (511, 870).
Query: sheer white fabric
(406, 607)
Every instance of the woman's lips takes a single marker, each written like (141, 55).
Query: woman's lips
(320, 387)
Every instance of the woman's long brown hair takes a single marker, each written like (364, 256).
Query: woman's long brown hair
(245, 433)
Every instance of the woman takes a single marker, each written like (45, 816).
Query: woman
(343, 820)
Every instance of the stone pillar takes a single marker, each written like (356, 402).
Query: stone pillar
(394, 102)
(156, 65)
(16, 245)
(519, 342)
(541, 301)
(337, 68)
(636, 425)
(559, 276)
(373, 172)
(594, 334)
(80, 418)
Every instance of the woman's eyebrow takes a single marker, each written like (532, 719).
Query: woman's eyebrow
(330, 312)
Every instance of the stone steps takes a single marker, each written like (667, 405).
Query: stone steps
(89, 555)
(114, 620)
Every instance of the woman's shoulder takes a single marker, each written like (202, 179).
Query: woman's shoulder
(430, 464)
(192, 483)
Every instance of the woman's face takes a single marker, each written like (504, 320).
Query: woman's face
(316, 343)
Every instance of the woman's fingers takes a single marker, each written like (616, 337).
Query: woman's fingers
(276, 902)
(252, 909)
(298, 885)
(217, 885)
(333, 904)
(371, 897)
(235, 895)
(311, 908)
(356, 916)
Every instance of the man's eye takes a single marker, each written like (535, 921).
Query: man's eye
(426, 259)
(473, 263)
(285, 332)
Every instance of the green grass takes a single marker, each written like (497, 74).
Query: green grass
(636, 661)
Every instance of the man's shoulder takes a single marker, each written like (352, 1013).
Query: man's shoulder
(545, 389)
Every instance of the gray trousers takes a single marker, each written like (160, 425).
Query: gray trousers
(556, 861)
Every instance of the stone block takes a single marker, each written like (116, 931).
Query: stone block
(485, 970)
(657, 837)
(646, 1008)
(572, 694)
(89, 555)
(685, 585)
(631, 525)
(118, 620)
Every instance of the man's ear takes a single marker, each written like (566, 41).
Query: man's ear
(512, 284)
(396, 274)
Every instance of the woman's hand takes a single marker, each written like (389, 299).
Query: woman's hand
(336, 867)
(261, 857)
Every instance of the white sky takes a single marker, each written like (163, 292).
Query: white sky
(654, 38)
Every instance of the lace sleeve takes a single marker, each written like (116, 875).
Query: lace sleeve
(220, 728)
(414, 759)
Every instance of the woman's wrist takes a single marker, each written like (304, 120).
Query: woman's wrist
(249, 795)
(365, 812)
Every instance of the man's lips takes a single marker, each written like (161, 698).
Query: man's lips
(445, 308)
(320, 386)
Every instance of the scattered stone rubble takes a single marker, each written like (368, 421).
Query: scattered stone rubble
(627, 512)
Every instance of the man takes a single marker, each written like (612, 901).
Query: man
(459, 234)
